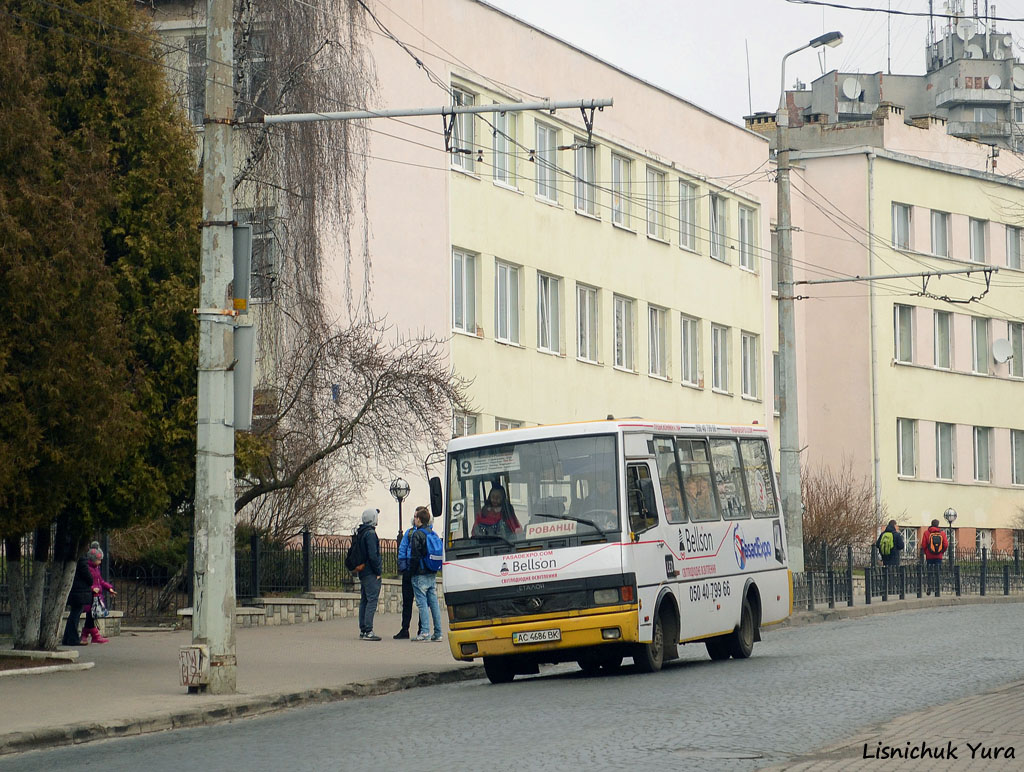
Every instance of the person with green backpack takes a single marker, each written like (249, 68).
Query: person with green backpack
(890, 545)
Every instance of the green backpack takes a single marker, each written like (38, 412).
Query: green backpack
(885, 543)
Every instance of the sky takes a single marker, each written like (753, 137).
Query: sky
(697, 49)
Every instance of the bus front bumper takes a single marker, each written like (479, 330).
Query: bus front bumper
(578, 632)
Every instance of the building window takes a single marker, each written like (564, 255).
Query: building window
(719, 358)
(252, 74)
(777, 381)
(586, 176)
(718, 228)
(940, 234)
(504, 135)
(655, 203)
(463, 425)
(657, 341)
(746, 222)
(906, 450)
(688, 197)
(985, 114)
(196, 80)
(586, 323)
(463, 141)
(1017, 455)
(748, 357)
(463, 291)
(944, 451)
(978, 229)
(982, 452)
(943, 339)
(548, 330)
(504, 424)
(1016, 330)
(979, 340)
(775, 261)
(622, 175)
(1012, 247)
(547, 142)
(506, 303)
(901, 226)
(903, 332)
(262, 269)
(689, 350)
(623, 311)
(983, 540)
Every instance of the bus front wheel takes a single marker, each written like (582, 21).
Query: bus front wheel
(498, 670)
(649, 657)
(741, 641)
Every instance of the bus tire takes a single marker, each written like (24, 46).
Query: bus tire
(498, 670)
(649, 657)
(741, 640)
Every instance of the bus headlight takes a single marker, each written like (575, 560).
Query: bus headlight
(465, 611)
(606, 597)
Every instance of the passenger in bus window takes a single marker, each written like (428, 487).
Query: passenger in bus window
(497, 518)
(698, 498)
(672, 495)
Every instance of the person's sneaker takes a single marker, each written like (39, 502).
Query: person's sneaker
(361, 635)
(436, 638)
(371, 636)
(401, 634)
(421, 638)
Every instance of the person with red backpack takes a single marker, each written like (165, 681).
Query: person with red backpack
(934, 545)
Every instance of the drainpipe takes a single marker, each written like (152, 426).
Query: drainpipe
(872, 315)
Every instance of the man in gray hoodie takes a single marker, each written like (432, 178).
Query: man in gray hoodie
(369, 576)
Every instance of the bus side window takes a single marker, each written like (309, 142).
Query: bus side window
(643, 511)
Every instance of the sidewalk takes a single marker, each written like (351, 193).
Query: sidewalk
(135, 688)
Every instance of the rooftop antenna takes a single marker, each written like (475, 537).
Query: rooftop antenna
(888, 38)
(750, 101)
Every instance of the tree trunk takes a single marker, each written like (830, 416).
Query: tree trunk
(16, 588)
(62, 575)
(169, 589)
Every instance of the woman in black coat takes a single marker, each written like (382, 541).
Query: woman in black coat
(79, 599)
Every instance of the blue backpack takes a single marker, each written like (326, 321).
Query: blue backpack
(434, 559)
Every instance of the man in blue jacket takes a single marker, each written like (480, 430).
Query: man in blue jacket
(407, 592)
(370, 576)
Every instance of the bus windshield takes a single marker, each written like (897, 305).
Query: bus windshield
(518, 494)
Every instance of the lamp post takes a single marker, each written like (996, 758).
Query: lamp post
(789, 445)
(950, 516)
(399, 489)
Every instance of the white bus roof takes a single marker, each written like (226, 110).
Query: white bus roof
(527, 434)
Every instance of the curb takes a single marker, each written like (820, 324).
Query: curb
(800, 618)
(24, 671)
(217, 713)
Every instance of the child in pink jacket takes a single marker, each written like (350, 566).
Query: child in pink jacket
(94, 557)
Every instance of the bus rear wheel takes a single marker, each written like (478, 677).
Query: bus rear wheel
(741, 641)
(718, 648)
(649, 657)
(499, 670)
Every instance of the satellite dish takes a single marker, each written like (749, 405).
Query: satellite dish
(1001, 350)
(1008, 41)
(997, 53)
(852, 89)
(965, 29)
(973, 51)
(994, 81)
(1018, 78)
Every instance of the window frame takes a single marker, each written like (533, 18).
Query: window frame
(585, 177)
(903, 342)
(720, 358)
(982, 453)
(1015, 332)
(1013, 256)
(587, 300)
(937, 338)
(980, 356)
(902, 225)
(979, 228)
(657, 341)
(746, 222)
(468, 421)
(903, 426)
(463, 131)
(689, 194)
(468, 325)
(1017, 456)
(622, 179)
(718, 226)
(749, 348)
(624, 336)
(503, 157)
(655, 203)
(689, 350)
(940, 225)
(945, 433)
(546, 162)
(549, 313)
(509, 294)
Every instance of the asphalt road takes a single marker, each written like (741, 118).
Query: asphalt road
(805, 687)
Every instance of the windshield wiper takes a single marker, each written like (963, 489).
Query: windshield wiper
(591, 523)
(509, 542)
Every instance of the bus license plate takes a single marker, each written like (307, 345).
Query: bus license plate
(537, 636)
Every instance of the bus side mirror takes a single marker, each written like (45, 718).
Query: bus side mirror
(436, 497)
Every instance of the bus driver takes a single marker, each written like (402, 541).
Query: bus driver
(496, 518)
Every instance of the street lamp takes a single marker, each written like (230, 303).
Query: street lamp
(950, 516)
(399, 489)
(789, 445)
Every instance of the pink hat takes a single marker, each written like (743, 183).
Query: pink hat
(95, 555)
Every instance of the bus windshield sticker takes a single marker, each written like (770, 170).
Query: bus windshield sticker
(488, 463)
(458, 510)
(552, 528)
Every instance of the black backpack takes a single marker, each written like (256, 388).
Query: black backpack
(355, 560)
(935, 542)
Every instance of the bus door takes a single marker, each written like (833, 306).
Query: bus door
(647, 555)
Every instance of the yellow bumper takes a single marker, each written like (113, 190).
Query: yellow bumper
(576, 632)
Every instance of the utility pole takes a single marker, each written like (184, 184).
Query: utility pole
(213, 609)
(789, 429)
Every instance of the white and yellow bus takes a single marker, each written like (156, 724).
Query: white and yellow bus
(597, 541)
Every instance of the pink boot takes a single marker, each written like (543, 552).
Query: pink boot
(85, 637)
(96, 637)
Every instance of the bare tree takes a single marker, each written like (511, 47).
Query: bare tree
(839, 508)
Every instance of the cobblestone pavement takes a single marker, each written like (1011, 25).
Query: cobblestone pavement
(805, 688)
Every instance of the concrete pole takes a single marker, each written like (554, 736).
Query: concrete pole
(789, 430)
(213, 610)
